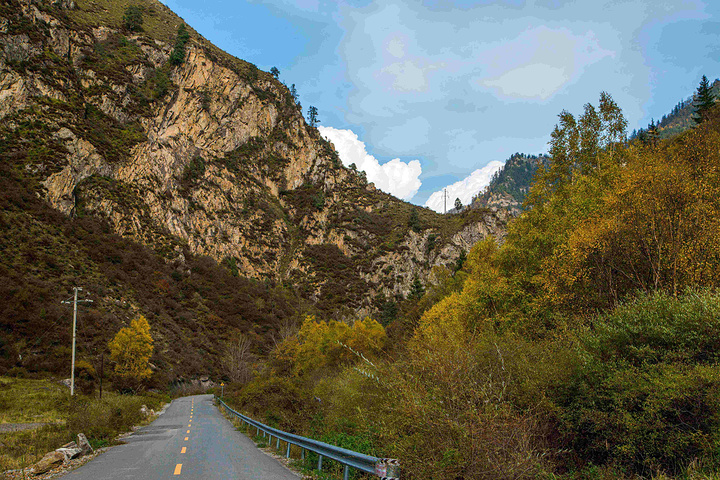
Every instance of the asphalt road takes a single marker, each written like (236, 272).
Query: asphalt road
(191, 440)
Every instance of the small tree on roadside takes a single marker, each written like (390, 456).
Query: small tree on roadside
(131, 350)
(133, 18)
(237, 360)
(458, 204)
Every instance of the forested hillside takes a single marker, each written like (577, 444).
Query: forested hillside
(584, 346)
(510, 185)
(678, 120)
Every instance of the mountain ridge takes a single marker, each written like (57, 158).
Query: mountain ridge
(211, 157)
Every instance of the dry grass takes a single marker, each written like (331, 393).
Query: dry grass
(159, 22)
(31, 401)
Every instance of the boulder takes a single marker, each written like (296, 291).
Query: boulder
(83, 444)
(49, 461)
(69, 453)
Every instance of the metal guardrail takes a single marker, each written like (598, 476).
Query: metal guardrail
(385, 468)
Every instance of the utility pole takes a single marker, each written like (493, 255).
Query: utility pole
(102, 371)
(445, 201)
(72, 366)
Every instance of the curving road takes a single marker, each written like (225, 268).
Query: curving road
(191, 440)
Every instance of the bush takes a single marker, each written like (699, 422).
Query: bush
(104, 420)
(177, 57)
(647, 397)
(85, 377)
(133, 18)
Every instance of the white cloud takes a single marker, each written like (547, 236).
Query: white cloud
(465, 189)
(394, 177)
(540, 61)
(537, 80)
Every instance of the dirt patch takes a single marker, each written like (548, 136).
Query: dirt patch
(17, 427)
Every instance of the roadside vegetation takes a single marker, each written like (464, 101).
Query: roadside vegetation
(49, 403)
(583, 347)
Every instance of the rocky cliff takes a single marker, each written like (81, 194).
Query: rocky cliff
(206, 153)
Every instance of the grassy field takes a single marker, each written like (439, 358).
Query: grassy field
(49, 402)
(26, 401)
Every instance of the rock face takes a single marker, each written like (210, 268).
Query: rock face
(212, 153)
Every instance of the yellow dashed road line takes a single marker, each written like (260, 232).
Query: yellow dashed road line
(178, 468)
(186, 438)
(184, 449)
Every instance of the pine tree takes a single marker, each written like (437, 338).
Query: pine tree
(652, 132)
(704, 100)
(275, 72)
(177, 57)
(458, 204)
(416, 289)
(313, 119)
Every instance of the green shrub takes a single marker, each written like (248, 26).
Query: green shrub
(133, 18)
(647, 397)
(177, 57)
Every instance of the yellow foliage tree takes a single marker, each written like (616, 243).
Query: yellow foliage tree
(131, 350)
(323, 344)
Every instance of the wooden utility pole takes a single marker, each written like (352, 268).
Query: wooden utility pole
(74, 330)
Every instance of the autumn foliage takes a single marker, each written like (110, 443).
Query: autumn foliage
(582, 346)
(131, 350)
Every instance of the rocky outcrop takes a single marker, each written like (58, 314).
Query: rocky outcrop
(212, 153)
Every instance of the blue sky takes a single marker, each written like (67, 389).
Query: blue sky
(431, 94)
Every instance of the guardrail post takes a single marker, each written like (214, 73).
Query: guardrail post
(287, 454)
(319, 463)
(302, 453)
(346, 473)
(277, 447)
(270, 441)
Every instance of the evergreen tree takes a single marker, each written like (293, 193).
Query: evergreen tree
(313, 119)
(704, 100)
(460, 260)
(414, 220)
(458, 204)
(275, 72)
(133, 18)
(416, 289)
(652, 132)
(177, 57)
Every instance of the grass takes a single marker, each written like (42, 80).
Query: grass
(26, 401)
(46, 401)
(332, 470)
(158, 21)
